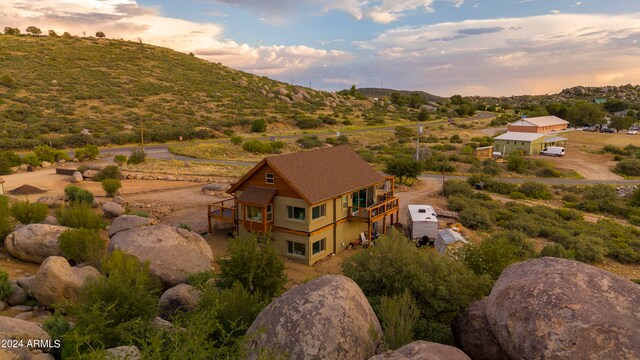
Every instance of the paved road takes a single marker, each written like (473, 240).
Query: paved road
(548, 181)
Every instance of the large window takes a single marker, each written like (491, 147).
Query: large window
(295, 248)
(295, 213)
(269, 213)
(319, 211)
(254, 213)
(319, 246)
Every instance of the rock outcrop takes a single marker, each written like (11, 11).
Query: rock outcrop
(552, 308)
(51, 200)
(56, 281)
(423, 350)
(326, 318)
(180, 298)
(112, 210)
(128, 222)
(25, 331)
(173, 253)
(123, 353)
(34, 242)
(473, 333)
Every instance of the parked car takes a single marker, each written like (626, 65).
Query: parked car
(552, 151)
(632, 132)
(608, 130)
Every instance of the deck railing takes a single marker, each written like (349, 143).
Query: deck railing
(223, 210)
(368, 213)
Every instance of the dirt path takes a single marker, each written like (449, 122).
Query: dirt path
(590, 166)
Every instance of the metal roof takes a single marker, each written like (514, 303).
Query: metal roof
(519, 136)
(540, 121)
(449, 236)
(555, 139)
(422, 213)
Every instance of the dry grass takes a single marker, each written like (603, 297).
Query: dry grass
(591, 139)
(176, 167)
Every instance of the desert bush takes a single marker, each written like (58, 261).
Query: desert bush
(398, 315)
(476, 217)
(259, 126)
(263, 147)
(5, 217)
(548, 172)
(5, 285)
(535, 190)
(79, 216)
(56, 326)
(628, 167)
(309, 123)
(500, 187)
(31, 159)
(111, 186)
(556, 250)
(570, 198)
(83, 196)
(310, 142)
(236, 140)
(258, 268)
(457, 187)
(199, 279)
(120, 160)
(491, 167)
(108, 172)
(395, 266)
(137, 156)
(82, 245)
(516, 163)
(27, 213)
(184, 226)
(494, 254)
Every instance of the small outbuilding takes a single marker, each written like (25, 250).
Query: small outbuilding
(422, 223)
(448, 238)
(529, 143)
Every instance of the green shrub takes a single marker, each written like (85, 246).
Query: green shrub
(31, 159)
(342, 139)
(347, 122)
(111, 186)
(199, 279)
(310, 142)
(121, 160)
(535, 190)
(256, 267)
(79, 216)
(83, 196)
(398, 316)
(137, 156)
(548, 172)
(516, 163)
(457, 187)
(500, 187)
(628, 167)
(395, 266)
(56, 326)
(91, 151)
(5, 217)
(517, 195)
(27, 213)
(236, 140)
(113, 309)
(556, 250)
(141, 213)
(309, 123)
(71, 191)
(263, 147)
(184, 226)
(5, 285)
(82, 245)
(259, 126)
(108, 172)
(570, 198)
(476, 217)
(491, 167)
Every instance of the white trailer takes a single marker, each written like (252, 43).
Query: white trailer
(422, 223)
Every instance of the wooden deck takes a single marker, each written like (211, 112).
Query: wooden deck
(224, 210)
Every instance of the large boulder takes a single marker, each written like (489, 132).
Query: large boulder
(56, 281)
(34, 242)
(52, 201)
(180, 298)
(26, 283)
(123, 353)
(550, 308)
(128, 222)
(77, 177)
(326, 318)
(88, 174)
(26, 332)
(473, 333)
(423, 350)
(173, 253)
(112, 210)
(214, 187)
(18, 295)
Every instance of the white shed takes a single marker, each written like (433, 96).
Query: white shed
(446, 238)
(422, 221)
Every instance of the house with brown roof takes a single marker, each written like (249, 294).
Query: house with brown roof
(311, 203)
(540, 124)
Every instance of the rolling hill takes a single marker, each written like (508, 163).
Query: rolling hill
(53, 88)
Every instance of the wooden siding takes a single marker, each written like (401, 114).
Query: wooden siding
(279, 183)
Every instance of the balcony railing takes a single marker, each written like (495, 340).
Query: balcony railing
(224, 210)
(375, 211)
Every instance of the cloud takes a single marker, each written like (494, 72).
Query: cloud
(127, 19)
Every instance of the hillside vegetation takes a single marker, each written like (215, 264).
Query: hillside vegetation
(52, 88)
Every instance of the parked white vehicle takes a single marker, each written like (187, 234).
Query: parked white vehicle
(632, 132)
(553, 151)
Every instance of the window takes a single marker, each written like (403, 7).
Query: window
(269, 213)
(295, 248)
(319, 211)
(295, 213)
(345, 202)
(253, 213)
(268, 178)
(319, 246)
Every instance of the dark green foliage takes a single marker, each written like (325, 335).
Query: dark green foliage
(27, 213)
(236, 140)
(556, 250)
(403, 168)
(455, 139)
(476, 218)
(601, 198)
(516, 163)
(82, 245)
(56, 326)
(79, 216)
(255, 266)
(108, 172)
(184, 226)
(83, 196)
(308, 123)
(137, 156)
(121, 160)
(494, 254)
(111, 186)
(71, 191)
(31, 159)
(259, 126)
(405, 134)
(5, 285)
(440, 286)
(263, 147)
(114, 309)
(457, 187)
(5, 217)
(398, 316)
(310, 142)
(491, 167)
(628, 167)
(535, 190)
(199, 279)
(342, 139)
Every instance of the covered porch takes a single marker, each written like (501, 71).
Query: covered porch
(379, 204)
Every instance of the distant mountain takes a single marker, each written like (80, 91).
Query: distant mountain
(381, 92)
(53, 88)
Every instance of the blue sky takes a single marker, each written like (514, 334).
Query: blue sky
(446, 47)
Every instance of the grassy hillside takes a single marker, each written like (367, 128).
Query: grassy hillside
(51, 88)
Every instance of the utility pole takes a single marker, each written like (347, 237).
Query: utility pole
(418, 141)
(141, 133)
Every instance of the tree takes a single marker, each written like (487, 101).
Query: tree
(33, 30)
(582, 113)
(621, 122)
(52, 33)
(11, 31)
(423, 115)
(615, 105)
(403, 169)
(558, 109)
(353, 91)
(415, 100)
(100, 34)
